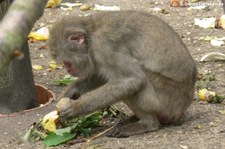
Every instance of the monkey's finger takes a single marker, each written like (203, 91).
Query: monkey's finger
(62, 104)
(113, 132)
(67, 113)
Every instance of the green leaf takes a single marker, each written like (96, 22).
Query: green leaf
(28, 135)
(61, 131)
(66, 80)
(91, 120)
(52, 139)
(84, 131)
(68, 77)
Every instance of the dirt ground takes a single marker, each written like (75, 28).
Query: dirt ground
(204, 127)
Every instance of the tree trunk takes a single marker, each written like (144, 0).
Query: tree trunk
(17, 89)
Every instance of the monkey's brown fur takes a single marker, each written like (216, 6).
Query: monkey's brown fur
(126, 56)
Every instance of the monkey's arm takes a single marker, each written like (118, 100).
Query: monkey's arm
(101, 97)
(125, 78)
(80, 87)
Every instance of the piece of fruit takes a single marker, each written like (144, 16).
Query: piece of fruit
(205, 95)
(50, 120)
(53, 3)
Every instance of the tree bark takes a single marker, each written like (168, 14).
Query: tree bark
(15, 27)
(17, 89)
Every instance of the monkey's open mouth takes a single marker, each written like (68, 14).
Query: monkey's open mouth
(70, 70)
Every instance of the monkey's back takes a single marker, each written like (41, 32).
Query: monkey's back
(146, 37)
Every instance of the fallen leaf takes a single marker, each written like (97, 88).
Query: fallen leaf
(41, 34)
(178, 3)
(37, 67)
(194, 1)
(208, 38)
(201, 7)
(66, 80)
(42, 55)
(198, 126)
(205, 22)
(156, 9)
(221, 22)
(53, 3)
(106, 8)
(61, 131)
(43, 47)
(71, 4)
(66, 8)
(53, 65)
(52, 139)
(159, 10)
(184, 146)
(216, 42)
(222, 112)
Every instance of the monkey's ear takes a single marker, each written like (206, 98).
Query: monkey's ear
(77, 38)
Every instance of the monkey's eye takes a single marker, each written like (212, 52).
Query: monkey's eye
(77, 38)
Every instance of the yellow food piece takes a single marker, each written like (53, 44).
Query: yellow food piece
(53, 3)
(204, 94)
(42, 56)
(194, 1)
(222, 22)
(37, 36)
(50, 120)
(40, 34)
(37, 67)
(53, 64)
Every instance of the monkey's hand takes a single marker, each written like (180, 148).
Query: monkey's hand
(80, 87)
(69, 108)
(71, 93)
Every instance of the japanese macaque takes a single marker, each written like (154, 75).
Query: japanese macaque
(127, 56)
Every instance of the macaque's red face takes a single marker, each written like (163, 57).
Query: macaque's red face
(72, 49)
(74, 39)
(70, 70)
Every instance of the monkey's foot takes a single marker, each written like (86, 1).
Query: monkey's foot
(128, 120)
(132, 129)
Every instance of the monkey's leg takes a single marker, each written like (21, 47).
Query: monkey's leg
(181, 120)
(142, 126)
